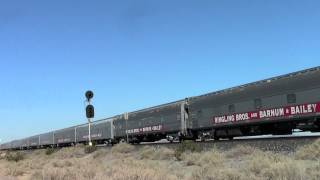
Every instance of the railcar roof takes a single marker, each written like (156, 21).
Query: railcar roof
(157, 107)
(261, 82)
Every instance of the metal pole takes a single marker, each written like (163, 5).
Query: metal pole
(126, 117)
(89, 121)
(90, 143)
(127, 130)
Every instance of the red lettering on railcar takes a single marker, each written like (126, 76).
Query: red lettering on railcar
(295, 110)
(145, 129)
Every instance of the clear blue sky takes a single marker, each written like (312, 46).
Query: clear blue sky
(136, 54)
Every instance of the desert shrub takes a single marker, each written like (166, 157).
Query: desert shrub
(147, 152)
(14, 156)
(219, 174)
(313, 171)
(309, 152)
(100, 153)
(240, 150)
(37, 152)
(288, 170)
(50, 151)
(186, 146)
(90, 149)
(14, 170)
(70, 152)
(130, 169)
(3, 154)
(209, 158)
(262, 164)
(123, 148)
(55, 174)
(156, 153)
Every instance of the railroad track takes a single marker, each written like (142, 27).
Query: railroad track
(283, 144)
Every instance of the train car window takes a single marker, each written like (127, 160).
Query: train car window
(291, 98)
(232, 108)
(258, 103)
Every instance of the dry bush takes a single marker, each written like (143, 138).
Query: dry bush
(267, 165)
(131, 169)
(69, 152)
(216, 173)
(101, 153)
(122, 148)
(54, 174)
(313, 170)
(31, 164)
(289, 170)
(3, 154)
(90, 149)
(186, 146)
(14, 170)
(259, 161)
(89, 169)
(14, 156)
(209, 158)
(139, 174)
(240, 150)
(38, 152)
(309, 152)
(70, 169)
(62, 163)
(50, 151)
(156, 153)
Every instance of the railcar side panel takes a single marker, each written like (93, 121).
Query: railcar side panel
(119, 127)
(99, 131)
(25, 143)
(64, 136)
(155, 121)
(202, 116)
(16, 144)
(33, 141)
(46, 139)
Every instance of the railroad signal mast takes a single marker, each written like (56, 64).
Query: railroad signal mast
(89, 113)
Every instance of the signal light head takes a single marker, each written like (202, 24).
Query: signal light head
(90, 111)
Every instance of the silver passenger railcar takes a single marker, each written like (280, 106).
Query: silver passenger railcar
(65, 137)
(273, 106)
(101, 132)
(152, 124)
(47, 139)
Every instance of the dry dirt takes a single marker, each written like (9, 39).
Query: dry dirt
(126, 162)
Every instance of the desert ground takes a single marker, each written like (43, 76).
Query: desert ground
(188, 161)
